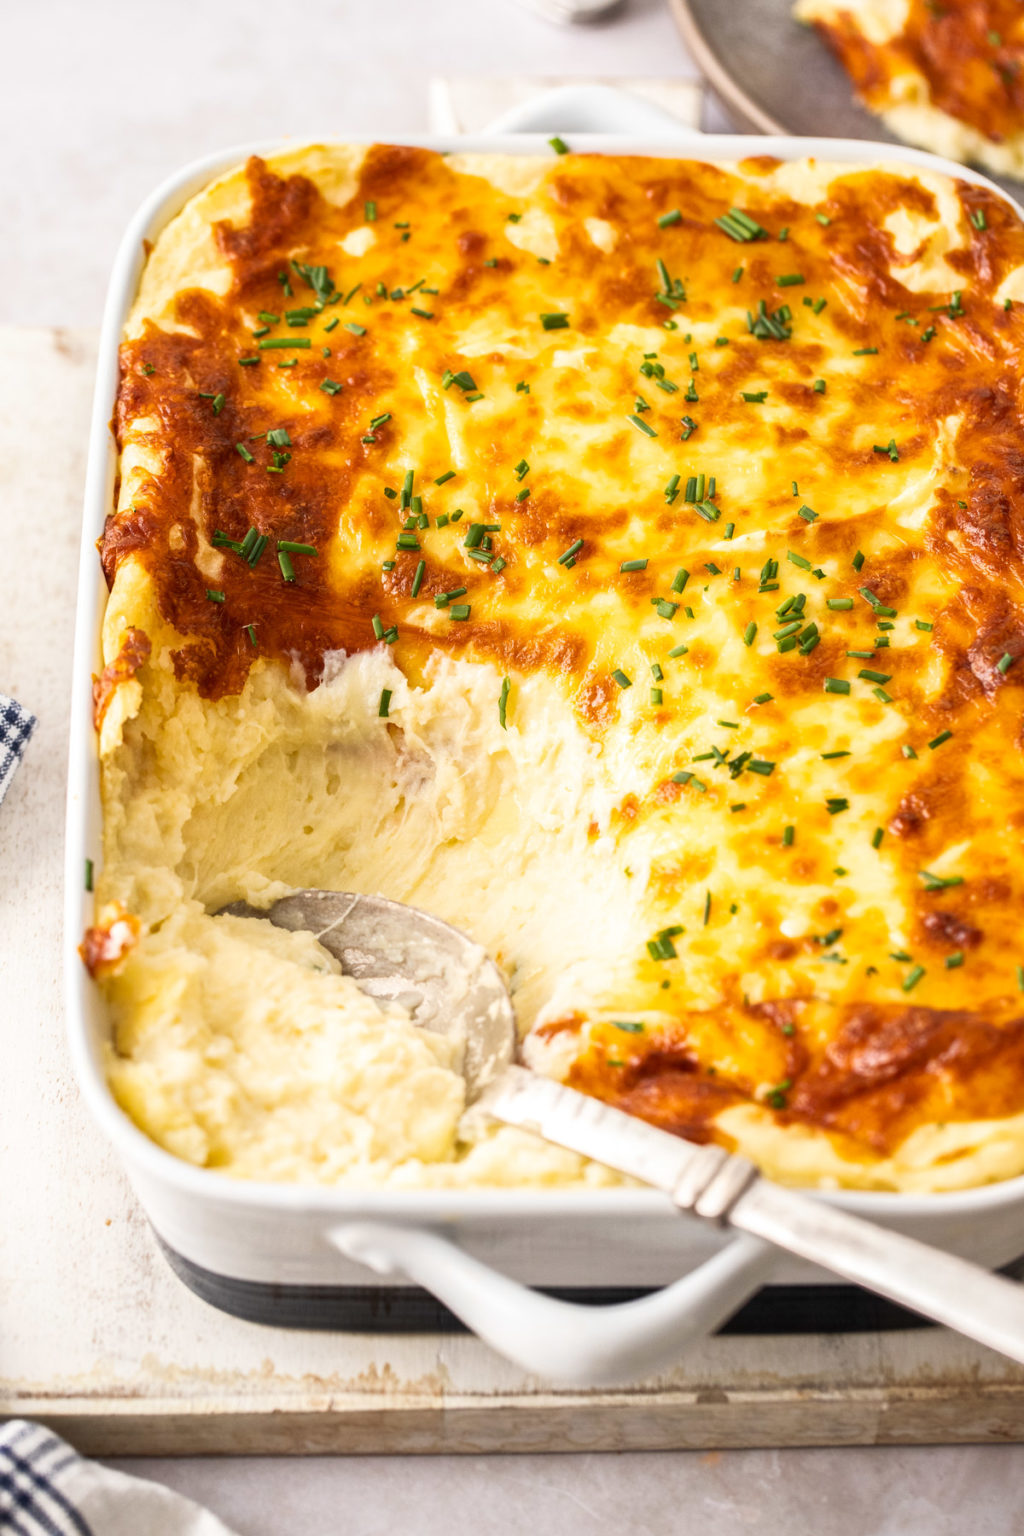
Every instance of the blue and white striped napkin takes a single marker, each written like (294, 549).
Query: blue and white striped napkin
(47, 1489)
(16, 726)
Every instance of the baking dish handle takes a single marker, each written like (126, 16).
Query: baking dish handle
(591, 109)
(584, 1345)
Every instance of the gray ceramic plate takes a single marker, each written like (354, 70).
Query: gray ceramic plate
(775, 76)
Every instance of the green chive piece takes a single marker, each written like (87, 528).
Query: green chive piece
(356, 330)
(788, 836)
(955, 960)
(557, 321)
(384, 705)
(568, 556)
(417, 580)
(938, 740)
(88, 874)
(819, 386)
(836, 685)
(559, 145)
(633, 565)
(1005, 662)
(214, 595)
(678, 650)
(876, 837)
(757, 397)
(243, 450)
(621, 678)
(291, 342)
(331, 387)
(378, 627)
(764, 698)
(284, 560)
(790, 280)
(873, 677)
(638, 421)
(840, 604)
(250, 630)
(675, 217)
(749, 633)
(912, 978)
(656, 696)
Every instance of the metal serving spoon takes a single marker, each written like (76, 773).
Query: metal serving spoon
(449, 984)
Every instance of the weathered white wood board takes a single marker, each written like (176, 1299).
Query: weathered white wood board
(98, 1337)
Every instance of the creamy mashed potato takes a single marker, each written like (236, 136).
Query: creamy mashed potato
(617, 559)
(943, 76)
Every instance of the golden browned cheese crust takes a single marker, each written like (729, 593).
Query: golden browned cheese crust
(967, 54)
(755, 504)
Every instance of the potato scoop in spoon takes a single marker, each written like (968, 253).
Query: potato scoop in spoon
(449, 984)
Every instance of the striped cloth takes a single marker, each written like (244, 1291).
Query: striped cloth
(16, 726)
(47, 1489)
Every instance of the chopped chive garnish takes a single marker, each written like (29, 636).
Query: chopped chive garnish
(1005, 662)
(808, 514)
(740, 226)
(570, 554)
(291, 548)
(506, 688)
(790, 280)
(675, 217)
(378, 627)
(922, 624)
(836, 685)
(788, 836)
(876, 837)
(939, 882)
(558, 321)
(250, 630)
(385, 702)
(764, 698)
(559, 145)
(243, 450)
(330, 387)
(638, 421)
(291, 342)
(754, 397)
(633, 565)
(749, 633)
(678, 650)
(873, 677)
(357, 330)
(912, 978)
(460, 612)
(214, 595)
(836, 803)
(954, 960)
(938, 740)
(284, 560)
(621, 678)
(449, 474)
(370, 212)
(417, 580)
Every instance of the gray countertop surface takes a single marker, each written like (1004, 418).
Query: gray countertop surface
(100, 102)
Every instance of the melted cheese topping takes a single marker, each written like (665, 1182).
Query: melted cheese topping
(948, 77)
(655, 617)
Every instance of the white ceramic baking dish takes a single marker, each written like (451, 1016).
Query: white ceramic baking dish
(475, 1250)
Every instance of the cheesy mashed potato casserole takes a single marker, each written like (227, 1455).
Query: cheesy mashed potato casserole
(945, 74)
(622, 559)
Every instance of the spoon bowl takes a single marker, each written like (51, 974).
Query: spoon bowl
(398, 954)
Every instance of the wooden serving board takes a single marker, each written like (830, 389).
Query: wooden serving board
(97, 1336)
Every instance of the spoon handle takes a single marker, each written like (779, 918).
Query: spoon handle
(706, 1181)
